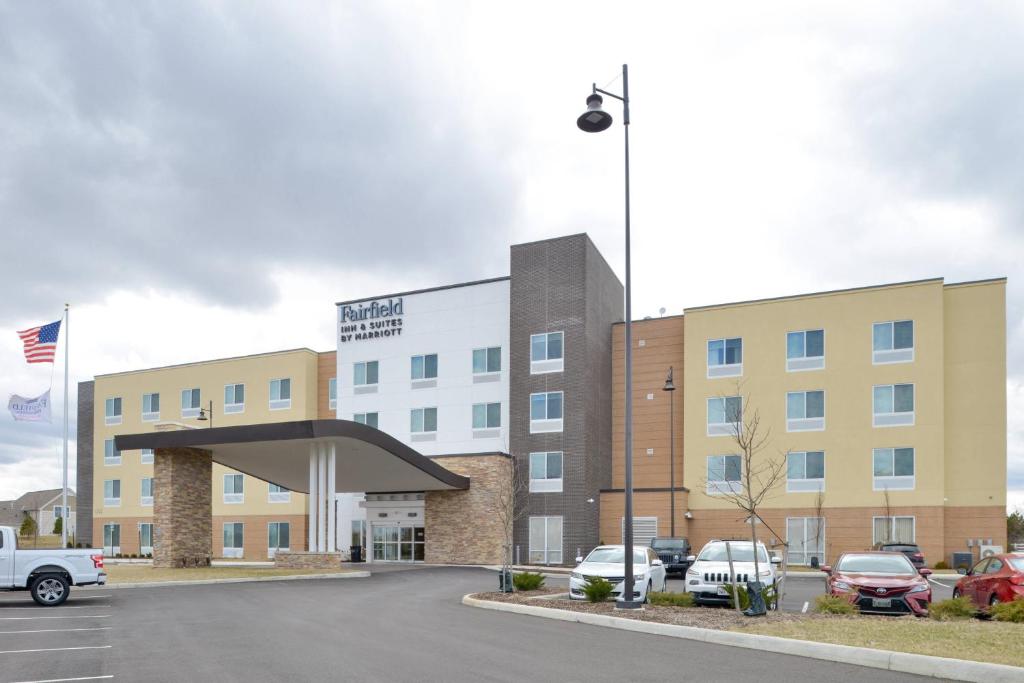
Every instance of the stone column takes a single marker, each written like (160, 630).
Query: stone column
(182, 509)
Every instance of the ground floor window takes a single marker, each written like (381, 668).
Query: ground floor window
(111, 539)
(278, 534)
(358, 533)
(398, 543)
(233, 539)
(806, 538)
(146, 538)
(545, 540)
(893, 530)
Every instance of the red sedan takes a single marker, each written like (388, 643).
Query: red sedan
(998, 578)
(880, 583)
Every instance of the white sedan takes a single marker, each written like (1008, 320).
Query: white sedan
(609, 562)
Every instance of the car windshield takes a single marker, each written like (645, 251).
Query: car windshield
(896, 565)
(901, 548)
(615, 556)
(1017, 563)
(741, 552)
(667, 544)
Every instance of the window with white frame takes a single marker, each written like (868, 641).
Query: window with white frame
(146, 538)
(60, 512)
(805, 471)
(423, 420)
(547, 352)
(892, 342)
(900, 529)
(365, 374)
(546, 472)
(725, 415)
(278, 538)
(805, 411)
(190, 402)
(233, 539)
(150, 407)
(280, 394)
(893, 469)
(805, 537)
(725, 357)
(724, 474)
(487, 361)
(111, 539)
(112, 492)
(234, 398)
(332, 393)
(546, 412)
(111, 456)
(424, 367)
(146, 456)
(278, 494)
(146, 498)
(805, 350)
(893, 405)
(368, 419)
(234, 491)
(545, 540)
(486, 416)
(112, 411)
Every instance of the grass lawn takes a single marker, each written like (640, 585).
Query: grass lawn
(41, 541)
(982, 641)
(143, 573)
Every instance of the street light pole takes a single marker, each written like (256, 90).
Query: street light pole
(670, 387)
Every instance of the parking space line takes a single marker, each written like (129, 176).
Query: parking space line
(64, 607)
(939, 583)
(76, 616)
(56, 649)
(62, 680)
(58, 630)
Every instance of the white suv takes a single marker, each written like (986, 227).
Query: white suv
(708, 574)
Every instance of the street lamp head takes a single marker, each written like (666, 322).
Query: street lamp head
(594, 119)
(669, 384)
(202, 415)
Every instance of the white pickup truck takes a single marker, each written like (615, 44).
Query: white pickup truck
(48, 573)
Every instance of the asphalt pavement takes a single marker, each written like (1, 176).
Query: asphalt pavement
(398, 625)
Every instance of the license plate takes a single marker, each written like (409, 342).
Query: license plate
(881, 602)
(722, 591)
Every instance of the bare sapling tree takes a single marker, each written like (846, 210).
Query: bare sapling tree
(819, 523)
(887, 507)
(510, 506)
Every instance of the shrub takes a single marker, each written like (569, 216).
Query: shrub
(1009, 611)
(528, 581)
(952, 609)
(833, 604)
(941, 564)
(597, 589)
(672, 599)
(28, 527)
(58, 526)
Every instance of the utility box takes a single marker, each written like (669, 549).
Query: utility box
(964, 560)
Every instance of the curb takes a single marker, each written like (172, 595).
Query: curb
(922, 665)
(243, 579)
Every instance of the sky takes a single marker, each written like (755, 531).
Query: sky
(203, 180)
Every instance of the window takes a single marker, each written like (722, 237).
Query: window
(147, 492)
(146, 456)
(365, 375)
(805, 471)
(546, 472)
(190, 401)
(893, 469)
(368, 419)
(725, 357)
(486, 415)
(805, 350)
(111, 539)
(278, 494)
(234, 398)
(424, 367)
(278, 534)
(146, 538)
(59, 512)
(547, 352)
(233, 539)
(113, 411)
(724, 474)
(280, 394)
(893, 530)
(423, 420)
(358, 533)
(332, 393)
(234, 488)
(112, 492)
(725, 415)
(545, 540)
(805, 411)
(546, 412)
(487, 360)
(150, 407)
(893, 405)
(806, 539)
(893, 342)
(111, 456)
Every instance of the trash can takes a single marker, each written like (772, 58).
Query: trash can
(356, 553)
(505, 581)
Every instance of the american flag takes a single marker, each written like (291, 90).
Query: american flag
(40, 342)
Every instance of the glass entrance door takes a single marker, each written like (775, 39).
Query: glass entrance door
(398, 543)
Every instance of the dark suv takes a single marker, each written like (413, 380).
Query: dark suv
(912, 552)
(673, 553)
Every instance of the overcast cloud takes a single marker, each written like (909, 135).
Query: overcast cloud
(206, 179)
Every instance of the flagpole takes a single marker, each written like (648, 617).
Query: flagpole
(66, 518)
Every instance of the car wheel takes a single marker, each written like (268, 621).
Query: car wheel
(50, 590)
(647, 593)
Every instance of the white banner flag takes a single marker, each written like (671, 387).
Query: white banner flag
(30, 409)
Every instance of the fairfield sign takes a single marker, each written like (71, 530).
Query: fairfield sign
(374, 320)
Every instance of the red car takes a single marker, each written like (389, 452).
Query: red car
(998, 578)
(880, 583)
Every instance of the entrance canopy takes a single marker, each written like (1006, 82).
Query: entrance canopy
(366, 459)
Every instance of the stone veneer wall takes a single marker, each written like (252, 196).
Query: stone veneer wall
(182, 507)
(464, 527)
(307, 560)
